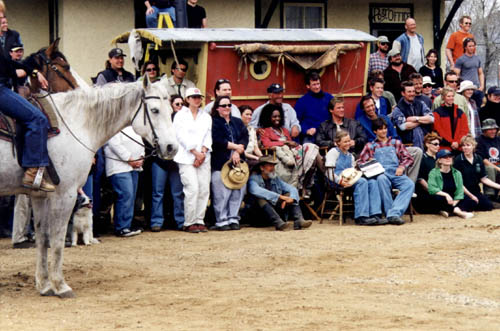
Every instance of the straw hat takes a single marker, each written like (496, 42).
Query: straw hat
(350, 176)
(234, 177)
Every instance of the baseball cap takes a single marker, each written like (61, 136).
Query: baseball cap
(275, 88)
(16, 47)
(383, 39)
(193, 91)
(116, 52)
(393, 52)
(494, 90)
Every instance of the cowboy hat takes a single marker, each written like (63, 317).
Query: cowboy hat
(234, 177)
(350, 176)
(267, 159)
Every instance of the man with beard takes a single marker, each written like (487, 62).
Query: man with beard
(411, 45)
(396, 73)
(275, 92)
(413, 119)
(312, 107)
(492, 107)
(418, 82)
(273, 199)
(378, 60)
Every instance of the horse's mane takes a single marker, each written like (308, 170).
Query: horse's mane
(102, 105)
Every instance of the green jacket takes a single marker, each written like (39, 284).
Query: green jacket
(435, 182)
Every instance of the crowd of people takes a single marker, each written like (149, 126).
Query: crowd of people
(433, 137)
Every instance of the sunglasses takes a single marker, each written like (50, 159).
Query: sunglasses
(227, 105)
(151, 69)
(434, 144)
(182, 69)
(447, 157)
(223, 80)
(178, 104)
(452, 81)
(384, 44)
(427, 85)
(468, 23)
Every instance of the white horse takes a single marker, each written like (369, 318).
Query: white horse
(90, 117)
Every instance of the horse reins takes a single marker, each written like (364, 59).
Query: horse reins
(155, 150)
(54, 68)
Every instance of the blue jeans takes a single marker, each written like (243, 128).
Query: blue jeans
(398, 206)
(125, 185)
(34, 125)
(366, 198)
(152, 20)
(159, 179)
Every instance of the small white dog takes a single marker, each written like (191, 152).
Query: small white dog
(82, 223)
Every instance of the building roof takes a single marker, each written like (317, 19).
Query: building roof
(249, 35)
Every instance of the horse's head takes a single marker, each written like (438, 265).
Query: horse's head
(54, 66)
(153, 119)
(135, 46)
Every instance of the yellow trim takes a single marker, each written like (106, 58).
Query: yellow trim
(368, 46)
(263, 75)
(201, 70)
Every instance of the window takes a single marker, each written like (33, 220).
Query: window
(260, 70)
(304, 16)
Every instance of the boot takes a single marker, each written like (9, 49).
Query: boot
(299, 222)
(272, 215)
(29, 178)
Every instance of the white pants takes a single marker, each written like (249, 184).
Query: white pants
(196, 182)
(22, 217)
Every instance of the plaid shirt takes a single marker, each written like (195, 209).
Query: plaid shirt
(405, 159)
(377, 62)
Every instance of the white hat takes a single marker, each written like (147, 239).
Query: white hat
(350, 176)
(466, 85)
(193, 91)
(427, 80)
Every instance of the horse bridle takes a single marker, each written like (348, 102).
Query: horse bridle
(156, 147)
(53, 67)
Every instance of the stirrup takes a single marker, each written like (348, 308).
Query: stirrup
(37, 182)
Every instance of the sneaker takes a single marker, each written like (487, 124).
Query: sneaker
(443, 213)
(380, 220)
(468, 215)
(192, 228)
(220, 228)
(127, 233)
(24, 244)
(365, 221)
(234, 226)
(394, 220)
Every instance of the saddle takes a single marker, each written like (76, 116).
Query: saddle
(12, 132)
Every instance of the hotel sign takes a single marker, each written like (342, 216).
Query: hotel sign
(390, 14)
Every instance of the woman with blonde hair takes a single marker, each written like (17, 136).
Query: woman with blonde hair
(473, 172)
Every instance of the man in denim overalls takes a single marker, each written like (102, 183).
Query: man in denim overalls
(394, 157)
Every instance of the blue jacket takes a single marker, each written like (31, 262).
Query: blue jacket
(312, 110)
(385, 106)
(257, 188)
(366, 123)
(404, 40)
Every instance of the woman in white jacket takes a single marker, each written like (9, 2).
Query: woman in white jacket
(124, 159)
(193, 128)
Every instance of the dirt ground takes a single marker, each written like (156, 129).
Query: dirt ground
(432, 274)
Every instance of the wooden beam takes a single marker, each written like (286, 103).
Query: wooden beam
(258, 13)
(269, 14)
(447, 22)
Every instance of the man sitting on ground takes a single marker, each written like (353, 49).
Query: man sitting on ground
(273, 198)
(488, 147)
(394, 157)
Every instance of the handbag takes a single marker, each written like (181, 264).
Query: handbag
(371, 169)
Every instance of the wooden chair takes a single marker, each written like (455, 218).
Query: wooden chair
(336, 202)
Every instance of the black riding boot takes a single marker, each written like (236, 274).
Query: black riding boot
(298, 219)
(272, 215)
